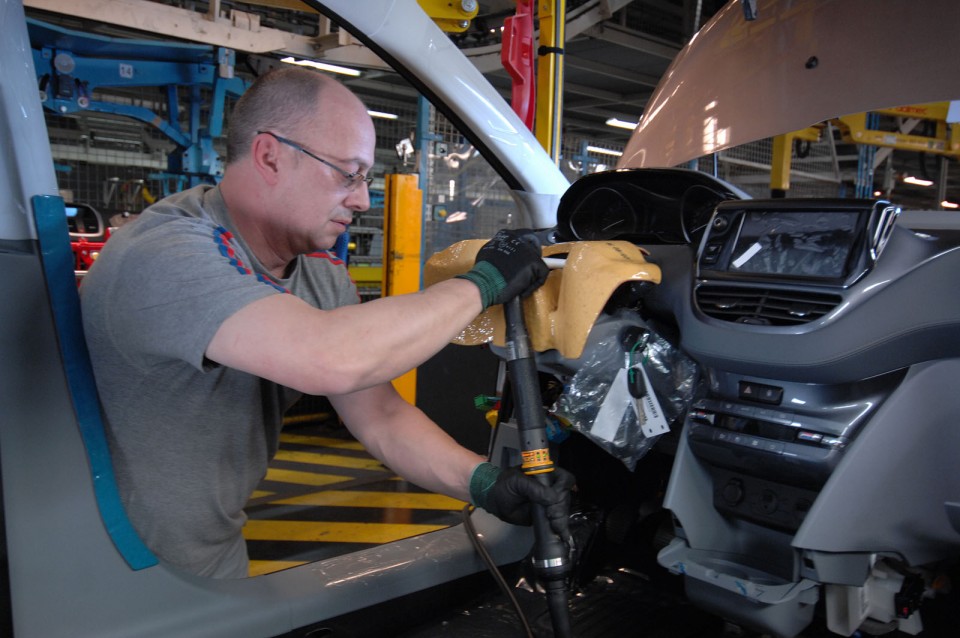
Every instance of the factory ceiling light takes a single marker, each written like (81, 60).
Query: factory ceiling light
(916, 181)
(603, 151)
(618, 123)
(323, 66)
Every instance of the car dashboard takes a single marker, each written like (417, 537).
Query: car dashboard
(818, 328)
(809, 290)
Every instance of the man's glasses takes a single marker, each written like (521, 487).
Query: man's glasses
(353, 178)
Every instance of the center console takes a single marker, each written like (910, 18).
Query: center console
(760, 446)
(770, 444)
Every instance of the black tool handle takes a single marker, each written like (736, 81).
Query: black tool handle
(550, 553)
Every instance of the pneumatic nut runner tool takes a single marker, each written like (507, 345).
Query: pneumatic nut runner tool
(550, 551)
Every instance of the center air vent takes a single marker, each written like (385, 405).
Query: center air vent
(764, 306)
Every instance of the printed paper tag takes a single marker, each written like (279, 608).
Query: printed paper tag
(615, 404)
(652, 421)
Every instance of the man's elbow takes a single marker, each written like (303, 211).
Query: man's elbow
(335, 379)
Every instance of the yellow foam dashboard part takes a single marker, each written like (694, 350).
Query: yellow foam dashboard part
(561, 313)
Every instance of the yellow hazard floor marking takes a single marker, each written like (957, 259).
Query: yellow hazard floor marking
(329, 451)
(304, 478)
(261, 567)
(373, 533)
(386, 500)
(336, 460)
(320, 441)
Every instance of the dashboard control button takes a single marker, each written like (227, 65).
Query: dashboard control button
(761, 393)
(768, 501)
(773, 446)
(732, 492)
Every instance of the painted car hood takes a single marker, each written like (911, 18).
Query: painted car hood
(798, 63)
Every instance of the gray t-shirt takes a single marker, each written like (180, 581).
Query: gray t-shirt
(190, 439)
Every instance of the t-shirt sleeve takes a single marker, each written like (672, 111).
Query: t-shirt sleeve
(324, 282)
(172, 289)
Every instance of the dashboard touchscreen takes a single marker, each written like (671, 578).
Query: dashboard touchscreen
(795, 244)
(829, 241)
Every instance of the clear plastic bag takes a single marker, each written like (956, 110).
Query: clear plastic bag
(597, 401)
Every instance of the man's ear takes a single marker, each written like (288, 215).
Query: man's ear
(265, 155)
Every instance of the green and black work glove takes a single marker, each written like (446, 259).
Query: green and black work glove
(509, 493)
(508, 265)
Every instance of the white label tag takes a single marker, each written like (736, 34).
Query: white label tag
(747, 255)
(615, 404)
(652, 423)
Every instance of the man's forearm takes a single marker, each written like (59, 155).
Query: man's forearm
(407, 441)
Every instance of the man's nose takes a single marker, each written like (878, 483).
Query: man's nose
(359, 198)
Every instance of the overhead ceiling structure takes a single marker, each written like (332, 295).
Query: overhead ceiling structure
(615, 51)
(614, 55)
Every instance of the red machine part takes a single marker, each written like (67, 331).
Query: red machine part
(85, 252)
(517, 57)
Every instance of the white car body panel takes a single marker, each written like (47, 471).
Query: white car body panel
(739, 81)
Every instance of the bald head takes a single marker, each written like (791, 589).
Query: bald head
(287, 99)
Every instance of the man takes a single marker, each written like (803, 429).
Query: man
(208, 316)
